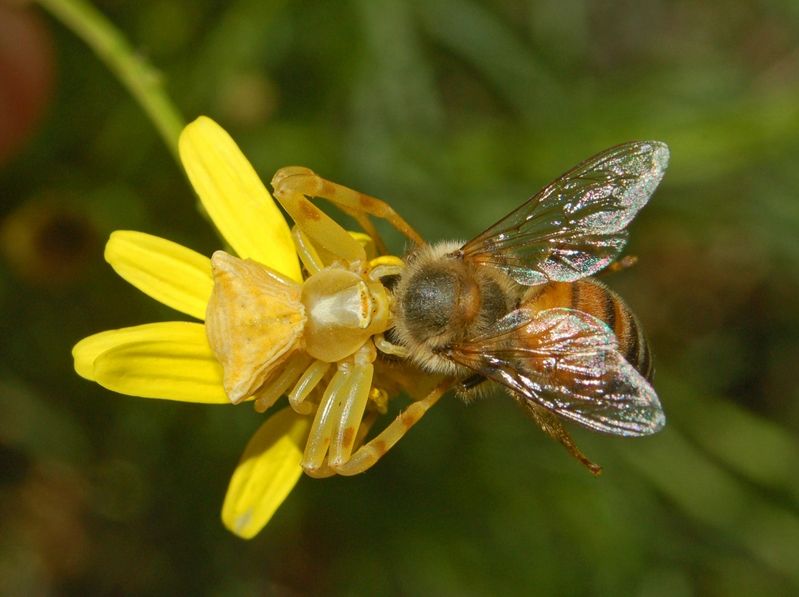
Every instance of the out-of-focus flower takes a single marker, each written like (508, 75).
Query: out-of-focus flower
(47, 241)
(173, 360)
(248, 99)
(44, 539)
(26, 75)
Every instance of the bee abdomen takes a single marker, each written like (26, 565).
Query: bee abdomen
(594, 298)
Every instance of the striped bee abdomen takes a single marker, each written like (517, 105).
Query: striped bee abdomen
(593, 297)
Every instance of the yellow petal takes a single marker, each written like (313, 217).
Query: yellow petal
(235, 198)
(87, 350)
(169, 360)
(168, 272)
(266, 474)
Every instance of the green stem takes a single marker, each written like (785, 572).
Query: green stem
(141, 79)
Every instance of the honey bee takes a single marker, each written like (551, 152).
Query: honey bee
(515, 306)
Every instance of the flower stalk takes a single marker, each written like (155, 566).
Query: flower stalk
(140, 78)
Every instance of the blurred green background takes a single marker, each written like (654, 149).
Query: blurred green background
(455, 111)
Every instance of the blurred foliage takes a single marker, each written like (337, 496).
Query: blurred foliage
(455, 111)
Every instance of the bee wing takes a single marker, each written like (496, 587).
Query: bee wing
(575, 226)
(568, 362)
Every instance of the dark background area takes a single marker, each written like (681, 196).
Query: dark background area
(455, 112)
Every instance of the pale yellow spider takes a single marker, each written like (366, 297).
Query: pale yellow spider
(274, 336)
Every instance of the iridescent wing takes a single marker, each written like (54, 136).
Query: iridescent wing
(575, 226)
(568, 362)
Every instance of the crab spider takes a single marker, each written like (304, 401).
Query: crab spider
(274, 336)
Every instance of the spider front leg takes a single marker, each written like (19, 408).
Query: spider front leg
(320, 228)
(368, 454)
(303, 181)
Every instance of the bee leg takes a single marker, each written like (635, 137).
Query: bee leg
(328, 412)
(355, 203)
(368, 454)
(621, 264)
(290, 189)
(552, 426)
(305, 384)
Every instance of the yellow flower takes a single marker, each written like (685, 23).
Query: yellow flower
(173, 360)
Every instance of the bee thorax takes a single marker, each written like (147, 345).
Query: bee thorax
(441, 301)
(429, 303)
